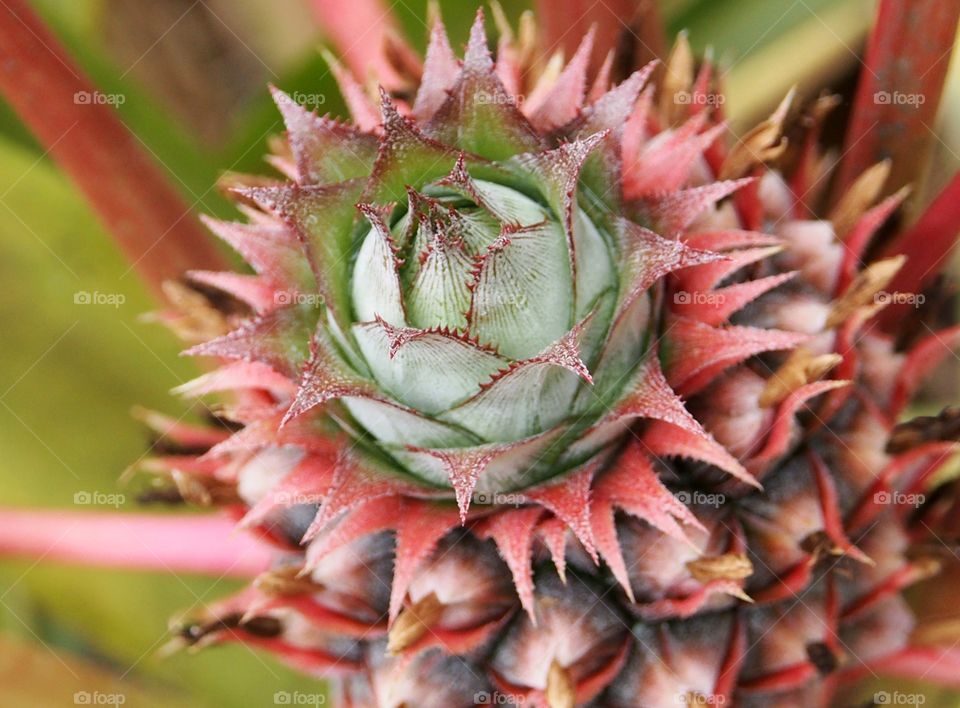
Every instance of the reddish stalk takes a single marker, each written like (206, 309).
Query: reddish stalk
(899, 90)
(359, 30)
(927, 245)
(205, 544)
(933, 664)
(82, 132)
(633, 26)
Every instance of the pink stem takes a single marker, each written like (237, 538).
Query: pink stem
(83, 133)
(358, 29)
(933, 664)
(204, 544)
(564, 25)
(899, 90)
(927, 245)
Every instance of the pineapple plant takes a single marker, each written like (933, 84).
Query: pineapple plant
(542, 391)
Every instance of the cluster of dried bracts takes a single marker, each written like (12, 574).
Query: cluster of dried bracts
(546, 389)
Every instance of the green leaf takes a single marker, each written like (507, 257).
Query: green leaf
(69, 375)
(523, 297)
(429, 371)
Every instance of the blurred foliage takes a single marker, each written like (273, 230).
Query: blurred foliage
(69, 374)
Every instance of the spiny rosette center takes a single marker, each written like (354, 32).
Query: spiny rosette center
(478, 313)
(465, 300)
(590, 302)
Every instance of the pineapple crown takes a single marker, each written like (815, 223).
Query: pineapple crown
(540, 391)
(467, 290)
(543, 322)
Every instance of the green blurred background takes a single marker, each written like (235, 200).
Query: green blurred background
(194, 76)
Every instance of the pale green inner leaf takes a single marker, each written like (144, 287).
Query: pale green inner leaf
(430, 373)
(523, 298)
(522, 403)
